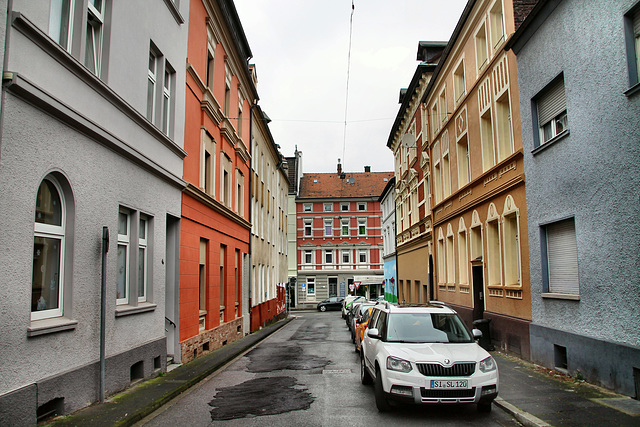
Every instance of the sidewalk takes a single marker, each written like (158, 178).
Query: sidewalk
(537, 397)
(133, 404)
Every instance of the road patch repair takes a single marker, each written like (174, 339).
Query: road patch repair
(284, 395)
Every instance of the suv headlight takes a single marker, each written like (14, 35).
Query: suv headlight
(488, 365)
(400, 365)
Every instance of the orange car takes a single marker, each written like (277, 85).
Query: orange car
(360, 327)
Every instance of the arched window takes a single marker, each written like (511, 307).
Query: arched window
(47, 284)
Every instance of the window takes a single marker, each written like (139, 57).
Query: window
(437, 172)
(486, 140)
(503, 124)
(208, 164)
(442, 262)
(362, 206)
(210, 65)
(308, 227)
(328, 207)
(362, 226)
(124, 231)
(151, 86)
(328, 227)
(482, 56)
(464, 164)
(240, 117)
(328, 256)
(239, 193)
(446, 166)
(362, 256)
(169, 76)
(47, 283)
(143, 264)
(560, 258)
(463, 257)
(459, 88)
(475, 235)
(344, 227)
(632, 35)
(344, 207)
(61, 22)
(202, 275)
(511, 249)
(450, 256)
(435, 120)
(346, 256)
(227, 91)
(306, 207)
(493, 249)
(311, 285)
(226, 181)
(496, 24)
(442, 105)
(93, 46)
(552, 111)
(308, 256)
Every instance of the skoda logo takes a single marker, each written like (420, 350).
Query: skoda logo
(447, 361)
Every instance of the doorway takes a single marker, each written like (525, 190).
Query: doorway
(478, 288)
(333, 286)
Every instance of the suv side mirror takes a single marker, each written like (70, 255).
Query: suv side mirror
(477, 334)
(373, 333)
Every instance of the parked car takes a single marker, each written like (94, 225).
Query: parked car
(348, 300)
(361, 325)
(357, 316)
(333, 303)
(426, 355)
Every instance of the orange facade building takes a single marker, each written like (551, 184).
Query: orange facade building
(215, 225)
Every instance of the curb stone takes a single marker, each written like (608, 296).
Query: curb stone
(523, 417)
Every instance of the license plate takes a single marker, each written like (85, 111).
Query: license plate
(449, 384)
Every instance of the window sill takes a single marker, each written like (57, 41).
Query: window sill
(632, 90)
(552, 295)
(550, 142)
(126, 310)
(50, 326)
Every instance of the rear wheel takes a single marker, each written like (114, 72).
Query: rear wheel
(381, 400)
(365, 378)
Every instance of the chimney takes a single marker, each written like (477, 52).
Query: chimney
(339, 167)
(367, 168)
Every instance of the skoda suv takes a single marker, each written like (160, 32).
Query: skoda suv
(425, 354)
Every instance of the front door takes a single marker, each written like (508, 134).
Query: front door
(478, 291)
(333, 286)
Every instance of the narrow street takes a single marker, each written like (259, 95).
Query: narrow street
(305, 374)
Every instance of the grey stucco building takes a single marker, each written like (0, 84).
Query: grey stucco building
(580, 110)
(92, 136)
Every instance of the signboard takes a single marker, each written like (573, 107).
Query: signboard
(357, 284)
(351, 287)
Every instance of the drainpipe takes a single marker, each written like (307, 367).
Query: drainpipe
(103, 303)
(255, 104)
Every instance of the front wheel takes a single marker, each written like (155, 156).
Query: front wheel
(365, 378)
(381, 400)
(323, 308)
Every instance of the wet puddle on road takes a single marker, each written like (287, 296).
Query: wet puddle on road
(260, 396)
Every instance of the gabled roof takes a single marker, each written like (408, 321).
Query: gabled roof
(353, 185)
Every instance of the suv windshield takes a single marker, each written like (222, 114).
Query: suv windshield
(427, 328)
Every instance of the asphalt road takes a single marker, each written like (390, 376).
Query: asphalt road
(306, 374)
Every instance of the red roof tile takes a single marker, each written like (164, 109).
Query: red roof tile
(330, 185)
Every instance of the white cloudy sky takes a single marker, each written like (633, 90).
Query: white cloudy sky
(300, 49)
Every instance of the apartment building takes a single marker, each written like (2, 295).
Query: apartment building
(339, 235)
(388, 208)
(269, 242)
(481, 250)
(91, 186)
(294, 173)
(215, 227)
(579, 106)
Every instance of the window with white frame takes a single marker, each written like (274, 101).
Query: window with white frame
(344, 227)
(560, 258)
(504, 128)
(552, 111)
(493, 248)
(124, 255)
(311, 285)
(486, 140)
(632, 36)
(362, 206)
(464, 162)
(459, 88)
(306, 207)
(328, 256)
(435, 120)
(362, 226)
(151, 85)
(211, 52)
(328, 207)
(496, 25)
(308, 256)
(240, 107)
(143, 264)
(442, 105)
(227, 90)
(446, 166)
(482, 54)
(363, 257)
(308, 227)
(208, 162)
(61, 22)
(169, 77)
(328, 227)
(463, 255)
(442, 261)
(437, 172)
(239, 193)
(346, 256)
(451, 265)
(93, 45)
(475, 236)
(226, 180)
(344, 207)
(47, 282)
(511, 248)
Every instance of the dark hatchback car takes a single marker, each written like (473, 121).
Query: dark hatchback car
(333, 303)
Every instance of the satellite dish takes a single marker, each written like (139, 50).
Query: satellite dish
(351, 180)
(408, 141)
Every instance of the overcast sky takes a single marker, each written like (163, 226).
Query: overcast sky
(300, 50)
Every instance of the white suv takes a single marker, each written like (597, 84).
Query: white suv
(426, 354)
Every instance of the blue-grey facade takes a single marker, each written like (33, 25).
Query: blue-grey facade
(586, 177)
(92, 136)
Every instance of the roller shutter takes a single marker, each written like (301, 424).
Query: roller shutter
(562, 254)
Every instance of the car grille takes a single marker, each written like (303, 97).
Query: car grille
(444, 394)
(437, 370)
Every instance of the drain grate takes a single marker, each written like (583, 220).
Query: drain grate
(336, 371)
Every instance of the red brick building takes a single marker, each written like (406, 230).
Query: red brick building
(215, 227)
(339, 234)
